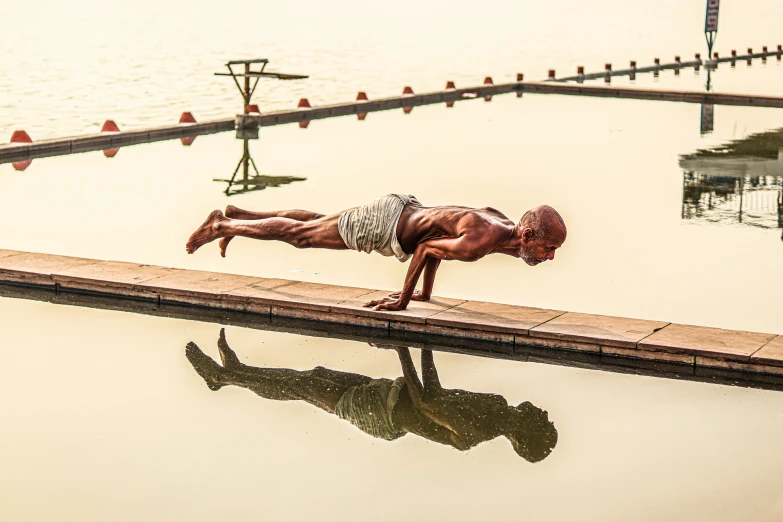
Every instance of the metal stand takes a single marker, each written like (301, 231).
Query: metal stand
(710, 36)
(247, 73)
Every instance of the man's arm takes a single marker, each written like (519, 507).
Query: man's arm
(430, 268)
(469, 248)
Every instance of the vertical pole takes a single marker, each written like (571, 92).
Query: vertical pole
(246, 92)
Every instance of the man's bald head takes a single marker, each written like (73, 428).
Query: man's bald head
(545, 222)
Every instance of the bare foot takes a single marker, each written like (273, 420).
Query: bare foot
(208, 369)
(207, 232)
(232, 211)
(227, 355)
(223, 243)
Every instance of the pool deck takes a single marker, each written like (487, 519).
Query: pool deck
(19, 152)
(506, 330)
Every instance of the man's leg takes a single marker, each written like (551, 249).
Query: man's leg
(320, 386)
(318, 233)
(238, 213)
(297, 215)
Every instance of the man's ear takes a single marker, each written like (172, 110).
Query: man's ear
(527, 234)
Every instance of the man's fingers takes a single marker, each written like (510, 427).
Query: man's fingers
(376, 302)
(391, 304)
(395, 295)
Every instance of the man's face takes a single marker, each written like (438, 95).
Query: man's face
(537, 250)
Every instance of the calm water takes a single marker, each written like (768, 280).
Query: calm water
(67, 67)
(111, 420)
(612, 170)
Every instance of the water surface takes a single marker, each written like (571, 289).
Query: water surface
(109, 419)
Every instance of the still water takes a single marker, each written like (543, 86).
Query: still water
(116, 416)
(612, 168)
(68, 66)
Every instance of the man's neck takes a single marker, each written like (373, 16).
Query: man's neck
(511, 246)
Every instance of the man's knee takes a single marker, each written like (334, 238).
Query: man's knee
(299, 235)
(301, 241)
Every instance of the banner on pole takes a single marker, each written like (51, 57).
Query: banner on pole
(711, 20)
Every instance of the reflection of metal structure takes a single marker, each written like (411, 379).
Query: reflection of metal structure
(247, 73)
(740, 182)
(250, 183)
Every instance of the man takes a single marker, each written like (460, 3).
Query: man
(389, 409)
(398, 225)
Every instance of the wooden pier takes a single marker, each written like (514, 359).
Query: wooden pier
(17, 152)
(498, 330)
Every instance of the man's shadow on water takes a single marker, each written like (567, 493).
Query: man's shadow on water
(388, 409)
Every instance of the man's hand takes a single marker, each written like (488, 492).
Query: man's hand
(386, 303)
(417, 296)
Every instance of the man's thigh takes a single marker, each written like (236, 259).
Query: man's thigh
(322, 233)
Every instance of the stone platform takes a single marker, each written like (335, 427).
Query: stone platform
(510, 331)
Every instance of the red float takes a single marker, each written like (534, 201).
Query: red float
(20, 136)
(110, 126)
(187, 118)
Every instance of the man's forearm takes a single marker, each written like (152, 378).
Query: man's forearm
(430, 268)
(412, 277)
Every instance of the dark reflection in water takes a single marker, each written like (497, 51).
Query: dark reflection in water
(740, 182)
(389, 409)
(249, 182)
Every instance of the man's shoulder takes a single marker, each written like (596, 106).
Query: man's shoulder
(486, 224)
(488, 216)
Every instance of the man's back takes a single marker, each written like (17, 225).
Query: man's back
(420, 224)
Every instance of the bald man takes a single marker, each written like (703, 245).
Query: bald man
(398, 225)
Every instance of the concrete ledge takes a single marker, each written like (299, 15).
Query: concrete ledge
(520, 332)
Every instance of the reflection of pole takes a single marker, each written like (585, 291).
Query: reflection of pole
(707, 122)
(683, 196)
(780, 207)
(741, 191)
(245, 158)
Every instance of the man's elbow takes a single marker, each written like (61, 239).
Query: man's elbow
(470, 257)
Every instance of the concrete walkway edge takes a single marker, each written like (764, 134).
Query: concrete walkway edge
(501, 328)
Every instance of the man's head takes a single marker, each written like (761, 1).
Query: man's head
(542, 232)
(531, 433)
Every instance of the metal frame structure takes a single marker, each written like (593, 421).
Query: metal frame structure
(247, 73)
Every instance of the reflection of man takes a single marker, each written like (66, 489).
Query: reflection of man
(389, 409)
(398, 225)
